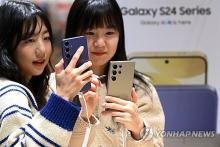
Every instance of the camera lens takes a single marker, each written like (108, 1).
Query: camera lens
(120, 66)
(119, 72)
(115, 66)
(68, 55)
(166, 61)
(66, 43)
(114, 72)
(67, 49)
(113, 78)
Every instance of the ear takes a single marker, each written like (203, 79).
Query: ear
(134, 95)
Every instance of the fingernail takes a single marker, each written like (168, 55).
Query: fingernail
(81, 48)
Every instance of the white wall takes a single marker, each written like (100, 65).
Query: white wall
(202, 34)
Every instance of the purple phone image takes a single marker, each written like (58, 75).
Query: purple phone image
(69, 47)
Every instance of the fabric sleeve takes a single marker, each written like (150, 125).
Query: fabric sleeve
(152, 113)
(79, 131)
(22, 125)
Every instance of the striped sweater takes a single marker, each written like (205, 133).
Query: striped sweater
(22, 124)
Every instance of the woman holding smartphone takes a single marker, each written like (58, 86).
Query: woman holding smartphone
(26, 119)
(122, 123)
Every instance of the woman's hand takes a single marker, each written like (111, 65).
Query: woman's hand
(125, 112)
(91, 99)
(70, 80)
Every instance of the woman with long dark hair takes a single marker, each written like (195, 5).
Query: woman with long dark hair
(102, 23)
(26, 118)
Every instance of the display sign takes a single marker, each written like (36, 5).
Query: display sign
(175, 25)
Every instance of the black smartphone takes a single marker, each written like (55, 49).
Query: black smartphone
(120, 79)
(69, 47)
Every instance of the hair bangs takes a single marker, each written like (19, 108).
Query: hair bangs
(29, 27)
(102, 19)
(98, 17)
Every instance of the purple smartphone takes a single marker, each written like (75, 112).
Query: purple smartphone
(69, 47)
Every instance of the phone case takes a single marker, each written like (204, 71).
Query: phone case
(69, 47)
(120, 79)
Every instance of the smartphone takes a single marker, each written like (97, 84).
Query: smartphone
(69, 47)
(120, 79)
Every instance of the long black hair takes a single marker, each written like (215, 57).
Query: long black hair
(89, 14)
(18, 21)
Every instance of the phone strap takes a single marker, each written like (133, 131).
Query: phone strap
(88, 129)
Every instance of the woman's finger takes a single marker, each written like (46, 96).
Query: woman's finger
(75, 58)
(119, 101)
(114, 106)
(84, 67)
(59, 66)
(86, 75)
(95, 80)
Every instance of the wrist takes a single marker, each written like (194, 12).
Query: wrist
(84, 116)
(142, 132)
(138, 133)
(92, 119)
(146, 132)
